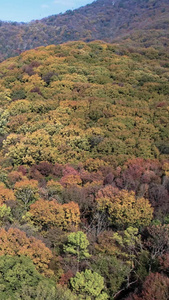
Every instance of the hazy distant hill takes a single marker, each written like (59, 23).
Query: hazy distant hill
(143, 22)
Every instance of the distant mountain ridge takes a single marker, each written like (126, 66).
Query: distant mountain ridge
(144, 22)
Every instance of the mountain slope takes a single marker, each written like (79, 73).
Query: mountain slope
(142, 21)
(84, 144)
(77, 101)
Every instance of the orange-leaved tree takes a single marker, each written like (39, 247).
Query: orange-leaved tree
(71, 180)
(6, 194)
(47, 214)
(15, 242)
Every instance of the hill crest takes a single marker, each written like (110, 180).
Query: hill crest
(144, 22)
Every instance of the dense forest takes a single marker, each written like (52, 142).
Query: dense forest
(139, 23)
(84, 194)
(84, 155)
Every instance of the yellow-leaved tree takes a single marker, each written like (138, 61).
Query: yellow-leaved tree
(125, 209)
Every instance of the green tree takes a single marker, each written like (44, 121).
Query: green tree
(77, 244)
(26, 191)
(5, 214)
(45, 290)
(15, 272)
(115, 271)
(88, 285)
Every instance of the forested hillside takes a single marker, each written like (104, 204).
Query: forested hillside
(84, 173)
(85, 95)
(143, 22)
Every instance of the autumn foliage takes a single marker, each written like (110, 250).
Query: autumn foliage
(84, 170)
(48, 214)
(125, 209)
(6, 194)
(15, 242)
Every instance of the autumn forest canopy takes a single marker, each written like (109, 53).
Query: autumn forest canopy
(84, 168)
